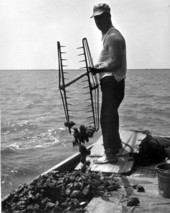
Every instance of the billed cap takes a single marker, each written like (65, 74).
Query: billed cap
(99, 9)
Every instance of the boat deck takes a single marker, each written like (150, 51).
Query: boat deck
(125, 163)
(150, 200)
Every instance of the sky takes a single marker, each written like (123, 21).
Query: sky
(30, 30)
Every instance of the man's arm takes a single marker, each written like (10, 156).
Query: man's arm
(115, 45)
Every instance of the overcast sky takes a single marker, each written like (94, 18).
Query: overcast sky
(30, 30)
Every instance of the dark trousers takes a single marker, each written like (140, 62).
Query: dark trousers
(112, 96)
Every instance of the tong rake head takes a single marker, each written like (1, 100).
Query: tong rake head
(91, 97)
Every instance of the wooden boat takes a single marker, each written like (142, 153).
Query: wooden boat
(128, 175)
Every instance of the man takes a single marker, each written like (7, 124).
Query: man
(112, 71)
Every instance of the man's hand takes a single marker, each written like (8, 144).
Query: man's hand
(96, 70)
(93, 70)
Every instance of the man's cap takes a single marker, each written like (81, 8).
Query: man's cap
(99, 9)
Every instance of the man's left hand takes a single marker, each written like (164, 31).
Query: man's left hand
(93, 70)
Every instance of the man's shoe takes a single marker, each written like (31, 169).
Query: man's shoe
(109, 158)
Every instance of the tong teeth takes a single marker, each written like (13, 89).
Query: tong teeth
(79, 47)
(80, 54)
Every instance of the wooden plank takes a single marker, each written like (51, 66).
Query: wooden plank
(124, 164)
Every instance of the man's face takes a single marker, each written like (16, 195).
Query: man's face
(101, 22)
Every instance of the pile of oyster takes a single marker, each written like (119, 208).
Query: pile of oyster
(60, 192)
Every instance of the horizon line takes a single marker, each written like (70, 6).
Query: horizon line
(36, 69)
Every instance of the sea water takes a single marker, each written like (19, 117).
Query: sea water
(33, 135)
